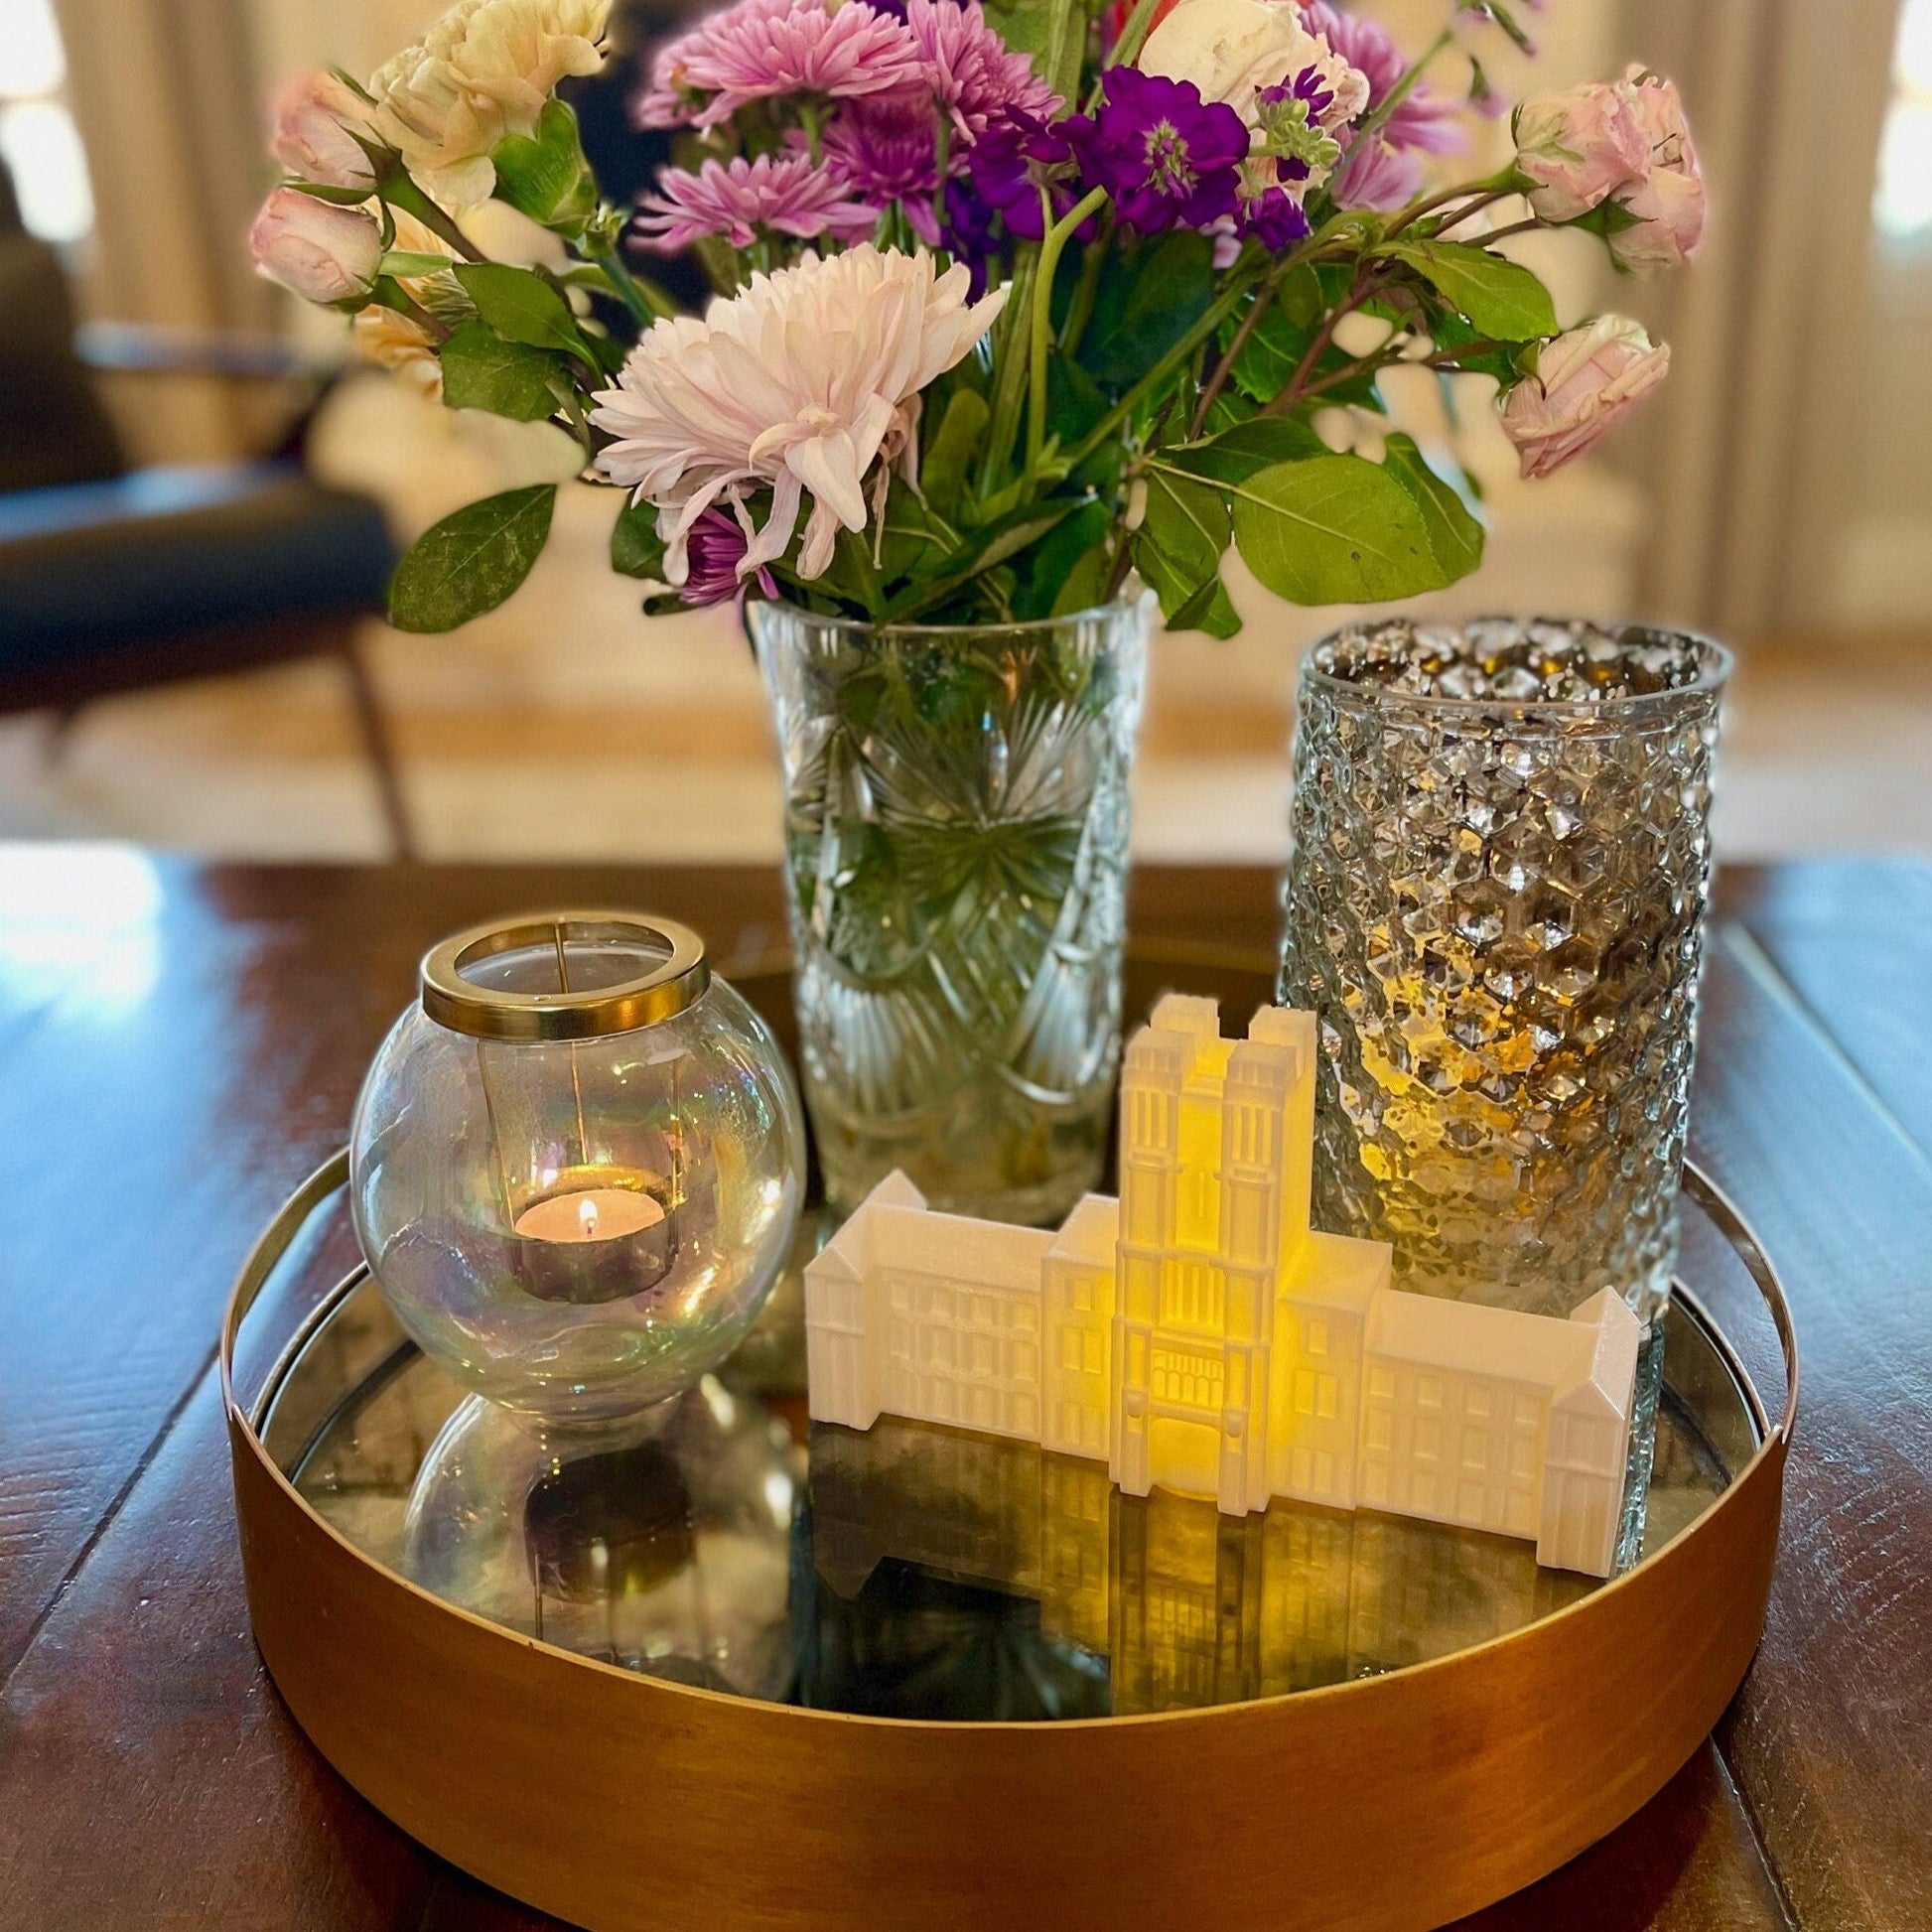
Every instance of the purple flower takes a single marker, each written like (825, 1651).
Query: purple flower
(1276, 219)
(887, 149)
(759, 48)
(783, 192)
(971, 71)
(966, 233)
(1012, 161)
(715, 545)
(1166, 157)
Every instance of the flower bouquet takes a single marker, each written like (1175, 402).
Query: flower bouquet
(1026, 313)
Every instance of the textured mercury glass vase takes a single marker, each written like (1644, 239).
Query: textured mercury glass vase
(956, 811)
(1495, 903)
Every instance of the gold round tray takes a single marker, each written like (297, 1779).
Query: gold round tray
(1366, 1724)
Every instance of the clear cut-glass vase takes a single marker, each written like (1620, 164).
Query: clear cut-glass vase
(956, 819)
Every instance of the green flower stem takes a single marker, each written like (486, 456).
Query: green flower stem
(1404, 88)
(1494, 189)
(1040, 318)
(646, 302)
(1367, 287)
(1010, 373)
(1079, 312)
(1130, 35)
(1264, 300)
(1157, 378)
(402, 193)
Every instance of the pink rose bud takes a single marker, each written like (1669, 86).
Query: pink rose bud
(322, 252)
(310, 118)
(1584, 382)
(1668, 198)
(1577, 148)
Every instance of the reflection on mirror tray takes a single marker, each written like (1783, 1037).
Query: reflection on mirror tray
(659, 1544)
(910, 1571)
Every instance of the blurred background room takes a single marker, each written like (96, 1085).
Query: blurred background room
(178, 437)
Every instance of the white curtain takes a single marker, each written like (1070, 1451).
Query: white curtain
(1744, 455)
(169, 106)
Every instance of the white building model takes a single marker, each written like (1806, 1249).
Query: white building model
(1198, 1335)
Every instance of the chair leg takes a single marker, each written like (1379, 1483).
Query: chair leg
(380, 748)
(59, 734)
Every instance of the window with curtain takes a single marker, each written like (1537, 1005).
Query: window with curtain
(38, 137)
(1902, 208)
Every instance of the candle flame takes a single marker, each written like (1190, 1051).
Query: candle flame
(587, 1215)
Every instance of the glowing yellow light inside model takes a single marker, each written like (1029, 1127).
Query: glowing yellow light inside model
(590, 1215)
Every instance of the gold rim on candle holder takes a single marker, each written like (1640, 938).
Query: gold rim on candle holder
(455, 1001)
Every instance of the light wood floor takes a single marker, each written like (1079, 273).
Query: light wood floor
(582, 745)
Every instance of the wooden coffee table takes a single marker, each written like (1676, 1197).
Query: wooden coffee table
(180, 1045)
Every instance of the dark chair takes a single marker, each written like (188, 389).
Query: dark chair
(114, 579)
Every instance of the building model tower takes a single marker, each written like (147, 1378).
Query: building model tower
(1199, 1335)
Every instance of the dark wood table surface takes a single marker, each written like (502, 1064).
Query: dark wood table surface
(180, 1045)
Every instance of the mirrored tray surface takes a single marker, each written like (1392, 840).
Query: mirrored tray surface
(912, 1571)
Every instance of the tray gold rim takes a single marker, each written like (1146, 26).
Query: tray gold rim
(346, 1640)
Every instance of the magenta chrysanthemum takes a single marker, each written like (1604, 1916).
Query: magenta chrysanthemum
(1385, 169)
(887, 149)
(1423, 119)
(784, 192)
(765, 48)
(971, 69)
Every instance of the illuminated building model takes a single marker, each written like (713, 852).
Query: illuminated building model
(1199, 1335)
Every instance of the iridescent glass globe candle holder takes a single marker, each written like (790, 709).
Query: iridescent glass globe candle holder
(577, 1164)
(1496, 894)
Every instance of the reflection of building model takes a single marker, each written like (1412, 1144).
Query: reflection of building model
(1197, 1334)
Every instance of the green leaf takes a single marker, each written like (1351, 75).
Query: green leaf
(1258, 443)
(483, 371)
(522, 305)
(1502, 299)
(1271, 354)
(1074, 404)
(1052, 34)
(1448, 331)
(1148, 300)
(942, 474)
(338, 197)
(1455, 535)
(1332, 529)
(1227, 409)
(1274, 351)
(636, 550)
(546, 177)
(1178, 548)
(1065, 560)
(1005, 538)
(470, 561)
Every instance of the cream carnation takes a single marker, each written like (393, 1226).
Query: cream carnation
(797, 383)
(483, 72)
(1232, 49)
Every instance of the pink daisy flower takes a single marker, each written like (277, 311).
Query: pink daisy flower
(736, 198)
(763, 47)
(971, 69)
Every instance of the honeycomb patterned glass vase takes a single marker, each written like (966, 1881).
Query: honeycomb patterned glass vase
(956, 812)
(1496, 896)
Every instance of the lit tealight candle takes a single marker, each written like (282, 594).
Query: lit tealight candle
(590, 1215)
